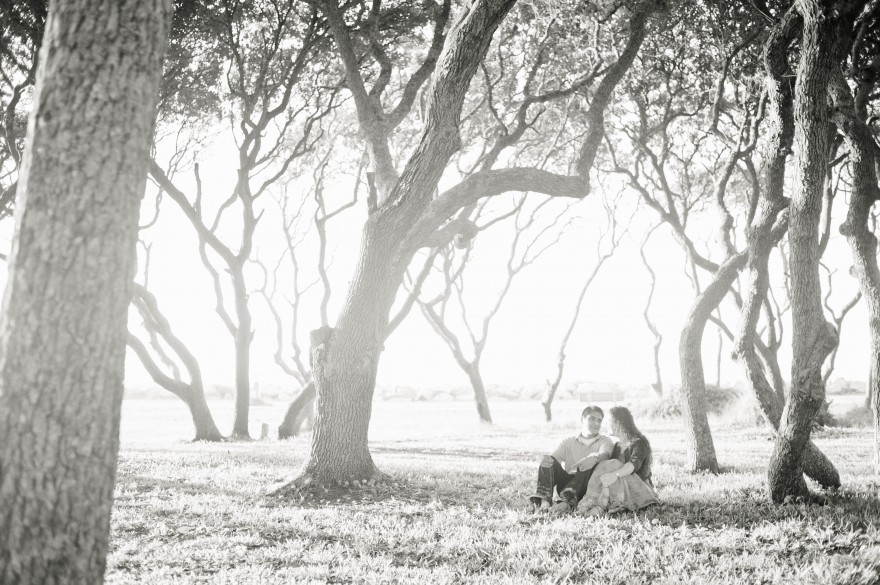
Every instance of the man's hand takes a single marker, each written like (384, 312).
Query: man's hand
(587, 462)
(609, 478)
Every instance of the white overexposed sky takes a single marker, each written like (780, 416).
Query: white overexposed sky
(611, 343)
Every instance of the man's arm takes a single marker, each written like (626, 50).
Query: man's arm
(603, 453)
(606, 448)
(588, 462)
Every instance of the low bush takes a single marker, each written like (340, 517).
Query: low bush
(718, 400)
(857, 417)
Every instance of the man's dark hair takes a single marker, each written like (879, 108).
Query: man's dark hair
(590, 409)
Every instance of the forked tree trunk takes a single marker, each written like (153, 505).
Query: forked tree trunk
(63, 327)
(764, 234)
(700, 447)
(301, 408)
(344, 360)
(824, 32)
(193, 392)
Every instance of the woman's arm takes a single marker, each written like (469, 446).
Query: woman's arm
(638, 453)
(612, 476)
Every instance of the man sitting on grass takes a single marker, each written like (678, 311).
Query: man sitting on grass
(580, 454)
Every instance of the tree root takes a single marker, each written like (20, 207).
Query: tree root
(308, 485)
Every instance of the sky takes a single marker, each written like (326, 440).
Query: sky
(610, 345)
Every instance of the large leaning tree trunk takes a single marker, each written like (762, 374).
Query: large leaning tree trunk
(701, 449)
(826, 27)
(763, 236)
(850, 116)
(700, 446)
(345, 358)
(63, 326)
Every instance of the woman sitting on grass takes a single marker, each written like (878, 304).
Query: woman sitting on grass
(624, 483)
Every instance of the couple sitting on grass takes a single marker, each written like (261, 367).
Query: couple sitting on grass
(593, 470)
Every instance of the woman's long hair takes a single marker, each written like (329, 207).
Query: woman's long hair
(624, 419)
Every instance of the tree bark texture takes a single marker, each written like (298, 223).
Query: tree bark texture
(763, 238)
(813, 338)
(700, 447)
(344, 359)
(63, 325)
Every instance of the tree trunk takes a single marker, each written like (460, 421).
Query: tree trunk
(552, 387)
(192, 393)
(63, 326)
(701, 449)
(344, 359)
(764, 236)
(302, 407)
(243, 337)
(480, 398)
(813, 338)
(206, 429)
(657, 386)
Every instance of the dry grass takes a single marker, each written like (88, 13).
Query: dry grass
(197, 513)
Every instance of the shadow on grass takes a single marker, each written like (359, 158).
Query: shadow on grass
(495, 454)
(134, 487)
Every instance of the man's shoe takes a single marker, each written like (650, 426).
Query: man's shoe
(562, 507)
(538, 506)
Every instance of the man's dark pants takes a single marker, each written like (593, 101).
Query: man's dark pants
(570, 486)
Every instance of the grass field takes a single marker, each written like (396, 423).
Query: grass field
(198, 513)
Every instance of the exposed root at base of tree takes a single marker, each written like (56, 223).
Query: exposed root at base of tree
(308, 486)
(810, 499)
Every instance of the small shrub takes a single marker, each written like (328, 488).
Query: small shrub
(857, 417)
(718, 401)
